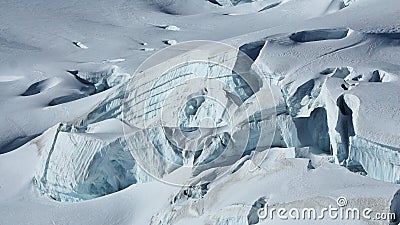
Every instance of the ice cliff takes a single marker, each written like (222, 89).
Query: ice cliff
(218, 104)
(343, 109)
(136, 133)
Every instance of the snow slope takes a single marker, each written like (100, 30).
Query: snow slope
(298, 107)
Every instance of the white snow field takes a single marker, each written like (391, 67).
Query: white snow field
(198, 112)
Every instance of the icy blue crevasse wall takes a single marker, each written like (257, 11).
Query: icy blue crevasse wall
(78, 165)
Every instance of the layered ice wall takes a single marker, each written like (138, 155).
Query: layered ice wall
(82, 163)
(78, 165)
(210, 109)
(202, 113)
(375, 143)
(204, 100)
(381, 162)
(339, 106)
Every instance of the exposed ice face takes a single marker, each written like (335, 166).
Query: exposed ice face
(97, 163)
(90, 168)
(208, 114)
(313, 131)
(201, 114)
(102, 76)
(343, 93)
(370, 154)
(202, 99)
(339, 96)
(212, 110)
(110, 107)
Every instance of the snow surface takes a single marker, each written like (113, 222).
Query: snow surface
(298, 107)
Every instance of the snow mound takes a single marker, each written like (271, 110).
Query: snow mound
(41, 86)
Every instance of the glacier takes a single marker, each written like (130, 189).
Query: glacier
(220, 118)
(92, 166)
(113, 113)
(210, 130)
(336, 92)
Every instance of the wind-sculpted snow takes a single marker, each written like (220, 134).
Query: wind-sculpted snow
(93, 82)
(319, 35)
(40, 86)
(110, 106)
